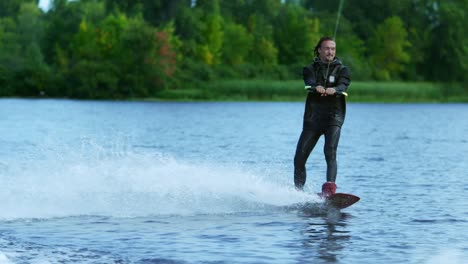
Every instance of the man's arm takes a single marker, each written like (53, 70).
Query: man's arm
(344, 79)
(310, 79)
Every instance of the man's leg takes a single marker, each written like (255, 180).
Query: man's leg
(332, 137)
(305, 145)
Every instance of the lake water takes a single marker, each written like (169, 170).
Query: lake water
(152, 182)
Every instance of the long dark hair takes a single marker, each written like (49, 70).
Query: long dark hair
(319, 44)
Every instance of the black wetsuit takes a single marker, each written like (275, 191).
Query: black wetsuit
(323, 115)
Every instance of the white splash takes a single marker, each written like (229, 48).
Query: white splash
(4, 259)
(447, 256)
(135, 184)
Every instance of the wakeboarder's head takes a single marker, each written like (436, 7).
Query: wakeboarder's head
(325, 49)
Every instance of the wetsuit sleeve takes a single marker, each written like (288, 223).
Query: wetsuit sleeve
(310, 78)
(344, 79)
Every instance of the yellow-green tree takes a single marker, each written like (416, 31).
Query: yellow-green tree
(388, 49)
(264, 50)
(236, 45)
(212, 34)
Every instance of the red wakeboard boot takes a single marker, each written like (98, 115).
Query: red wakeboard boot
(328, 189)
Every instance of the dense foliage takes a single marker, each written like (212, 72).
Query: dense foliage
(140, 48)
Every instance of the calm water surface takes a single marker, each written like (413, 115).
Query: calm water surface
(138, 182)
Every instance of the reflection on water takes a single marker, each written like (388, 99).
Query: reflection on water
(325, 237)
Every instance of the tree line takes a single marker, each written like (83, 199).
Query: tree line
(138, 48)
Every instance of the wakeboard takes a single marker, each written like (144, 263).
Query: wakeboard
(341, 200)
(333, 203)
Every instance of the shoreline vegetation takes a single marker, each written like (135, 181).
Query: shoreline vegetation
(293, 90)
(215, 50)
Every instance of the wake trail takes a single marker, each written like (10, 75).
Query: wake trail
(128, 184)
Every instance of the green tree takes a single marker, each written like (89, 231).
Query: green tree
(240, 11)
(8, 50)
(23, 69)
(352, 51)
(388, 49)
(447, 52)
(209, 50)
(295, 35)
(85, 71)
(122, 57)
(264, 50)
(155, 12)
(10, 8)
(63, 22)
(90, 72)
(367, 14)
(58, 30)
(148, 58)
(258, 17)
(267, 53)
(237, 43)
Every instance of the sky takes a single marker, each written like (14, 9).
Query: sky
(44, 4)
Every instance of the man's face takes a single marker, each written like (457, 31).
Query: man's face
(327, 51)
